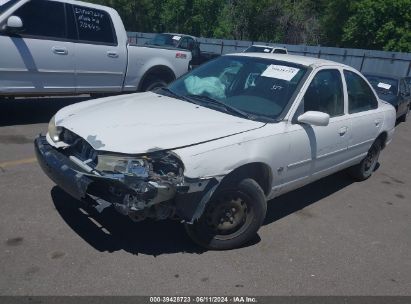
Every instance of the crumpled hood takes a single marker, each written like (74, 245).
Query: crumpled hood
(144, 122)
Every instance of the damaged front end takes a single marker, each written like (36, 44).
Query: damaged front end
(142, 186)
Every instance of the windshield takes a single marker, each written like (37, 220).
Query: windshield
(383, 85)
(260, 88)
(165, 40)
(6, 4)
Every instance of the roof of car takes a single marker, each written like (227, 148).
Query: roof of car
(302, 60)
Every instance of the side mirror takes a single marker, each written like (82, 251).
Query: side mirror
(14, 24)
(314, 118)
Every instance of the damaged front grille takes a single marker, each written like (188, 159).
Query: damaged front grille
(80, 148)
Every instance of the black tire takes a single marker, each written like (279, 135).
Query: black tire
(231, 218)
(152, 83)
(367, 166)
(404, 117)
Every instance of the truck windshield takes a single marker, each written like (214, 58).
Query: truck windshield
(261, 88)
(165, 40)
(6, 4)
(258, 49)
(383, 85)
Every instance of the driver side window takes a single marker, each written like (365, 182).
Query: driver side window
(325, 93)
(43, 19)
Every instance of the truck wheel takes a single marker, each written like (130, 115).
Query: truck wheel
(366, 167)
(152, 83)
(231, 218)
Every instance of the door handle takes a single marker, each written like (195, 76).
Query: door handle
(342, 131)
(59, 50)
(112, 54)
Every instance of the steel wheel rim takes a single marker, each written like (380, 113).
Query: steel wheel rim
(228, 215)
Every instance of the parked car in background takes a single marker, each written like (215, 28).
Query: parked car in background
(211, 149)
(394, 90)
(255, 48)
(183, 42)
(70, 47)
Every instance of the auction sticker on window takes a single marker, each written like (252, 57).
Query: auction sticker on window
(383, 85)
(176, 38)
(280, 72)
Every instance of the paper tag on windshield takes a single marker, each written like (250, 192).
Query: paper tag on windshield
(280, 72)
(176, 38)
(267, 50)
(384, 85)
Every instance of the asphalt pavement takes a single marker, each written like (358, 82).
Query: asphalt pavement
(333, 237)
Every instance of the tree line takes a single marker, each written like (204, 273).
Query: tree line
(369, 24)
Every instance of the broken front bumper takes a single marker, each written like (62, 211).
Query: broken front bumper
(186, 201)
(60, 169)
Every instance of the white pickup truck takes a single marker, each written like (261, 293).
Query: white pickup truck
(71, 47)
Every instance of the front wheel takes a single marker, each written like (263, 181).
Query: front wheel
(231, 218)
(366, 167)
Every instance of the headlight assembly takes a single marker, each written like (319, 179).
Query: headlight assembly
(138, 167)
(158, 167)
(53, 130)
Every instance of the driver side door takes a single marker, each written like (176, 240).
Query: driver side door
(317, 151)
(40, 57)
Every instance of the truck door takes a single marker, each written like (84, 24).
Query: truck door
(100, 60)
(38, 58)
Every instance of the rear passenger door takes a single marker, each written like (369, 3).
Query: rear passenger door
(100, 61)
(40, 57)
(366, 120)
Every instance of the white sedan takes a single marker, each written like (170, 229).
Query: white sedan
(215, 145)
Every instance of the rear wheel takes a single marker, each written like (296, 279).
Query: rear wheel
(231, 218)
(152, 83)
(364, 170)
(404, 117)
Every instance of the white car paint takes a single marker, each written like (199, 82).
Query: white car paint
(43, 65)
(157, 122)
(213, 144)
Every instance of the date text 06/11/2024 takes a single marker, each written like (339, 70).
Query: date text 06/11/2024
(203, 299)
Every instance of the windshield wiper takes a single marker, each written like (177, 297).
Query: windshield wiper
(219, 104)
(175, 95)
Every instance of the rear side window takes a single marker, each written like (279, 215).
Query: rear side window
(94, 25)
(43, 19)
(360, 95)
(325, 93)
